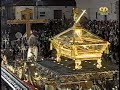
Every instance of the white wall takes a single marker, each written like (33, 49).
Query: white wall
(49, 11)
(18, 10)
(92, 6)
(84, 4)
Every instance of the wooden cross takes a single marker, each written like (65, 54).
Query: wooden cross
(27, 21)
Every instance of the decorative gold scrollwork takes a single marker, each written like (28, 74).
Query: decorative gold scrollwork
(103, 10)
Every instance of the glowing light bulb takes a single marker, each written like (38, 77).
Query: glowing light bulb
(32, 64)
(36, 73)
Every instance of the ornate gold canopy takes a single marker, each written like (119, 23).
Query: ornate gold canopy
(79, 44)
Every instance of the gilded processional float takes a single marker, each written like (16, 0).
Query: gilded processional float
(79, 44)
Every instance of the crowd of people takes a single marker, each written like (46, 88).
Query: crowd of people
(108, 30)
(46, 31)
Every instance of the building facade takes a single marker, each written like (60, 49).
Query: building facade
(41, 9)
(92, 8)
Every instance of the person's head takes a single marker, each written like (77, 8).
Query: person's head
(31, 32)
(34, 33)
